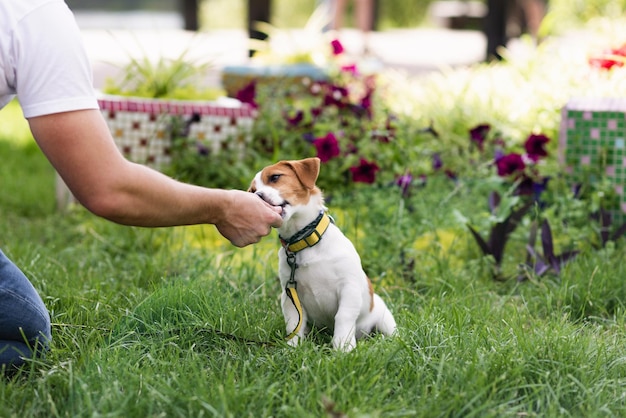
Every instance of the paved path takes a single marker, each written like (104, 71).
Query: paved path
(412, 50)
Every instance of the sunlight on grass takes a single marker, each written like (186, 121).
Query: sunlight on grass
(13, 127)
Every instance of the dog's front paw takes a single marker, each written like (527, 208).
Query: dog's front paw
(294, 341)
(345, 345)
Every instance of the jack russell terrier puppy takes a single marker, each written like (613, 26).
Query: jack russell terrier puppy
(319, 268)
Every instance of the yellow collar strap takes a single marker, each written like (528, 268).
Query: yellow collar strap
(309, 236)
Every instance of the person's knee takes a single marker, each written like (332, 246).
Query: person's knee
(25, 320)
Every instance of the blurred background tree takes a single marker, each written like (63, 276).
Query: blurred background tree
(220, 14)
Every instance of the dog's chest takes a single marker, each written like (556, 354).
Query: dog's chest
(324, 272)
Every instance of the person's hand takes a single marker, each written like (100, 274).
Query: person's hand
(248, 219)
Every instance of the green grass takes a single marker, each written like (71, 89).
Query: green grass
(176, 322)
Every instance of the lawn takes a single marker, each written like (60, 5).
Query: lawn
(177, 322)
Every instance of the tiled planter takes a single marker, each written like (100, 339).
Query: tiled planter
(142, 128)
(593, 134)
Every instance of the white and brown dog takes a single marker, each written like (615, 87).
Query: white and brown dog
(319, 268)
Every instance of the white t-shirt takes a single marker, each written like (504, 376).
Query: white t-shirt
(42, 58)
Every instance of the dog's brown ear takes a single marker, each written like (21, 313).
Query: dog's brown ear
(307, 171)
(252, 187)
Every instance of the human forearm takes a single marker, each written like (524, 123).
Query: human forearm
(80, 147)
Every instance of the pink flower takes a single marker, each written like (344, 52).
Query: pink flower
(337, 47)
(365, 172)
(327, 147)
(350, 69)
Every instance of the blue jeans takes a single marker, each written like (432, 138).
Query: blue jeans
(24, 320)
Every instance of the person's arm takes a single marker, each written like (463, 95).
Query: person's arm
(80, 147)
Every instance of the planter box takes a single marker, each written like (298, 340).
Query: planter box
(234, 78)
(593, 135)
(143, 128)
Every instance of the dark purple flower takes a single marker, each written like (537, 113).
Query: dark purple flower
(336, 96)
(365, 172)
(478, 135)
(327, 147)
(296, 119)
(535, 146)
(337, 47)
(316, 112)
(437, 163)
(202, 149)
(366, 102)
(509, 164)
(451, 175)
(248, 94)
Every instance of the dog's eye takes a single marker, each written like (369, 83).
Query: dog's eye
(274, 178)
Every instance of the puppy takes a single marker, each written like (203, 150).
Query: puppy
(319, 268)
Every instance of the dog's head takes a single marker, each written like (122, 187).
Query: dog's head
(291, 185)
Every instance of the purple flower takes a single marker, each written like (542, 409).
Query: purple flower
(404, 182)
(509, 164)
(478, 135)
(248, 94)
(535, 146)
(365, 172)
(308, 137)
(337, 47)
(327, 147)
(437, 163)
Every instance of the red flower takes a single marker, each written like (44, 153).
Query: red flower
(509, 164)
(337, 47)
(365, 172)
(478, 135)
(248, 94)
(327, 147)
(535, 146)
(609, 58)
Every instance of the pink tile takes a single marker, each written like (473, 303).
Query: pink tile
(594, 133)
(612, 124)
(585, 160)
(610, 170)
